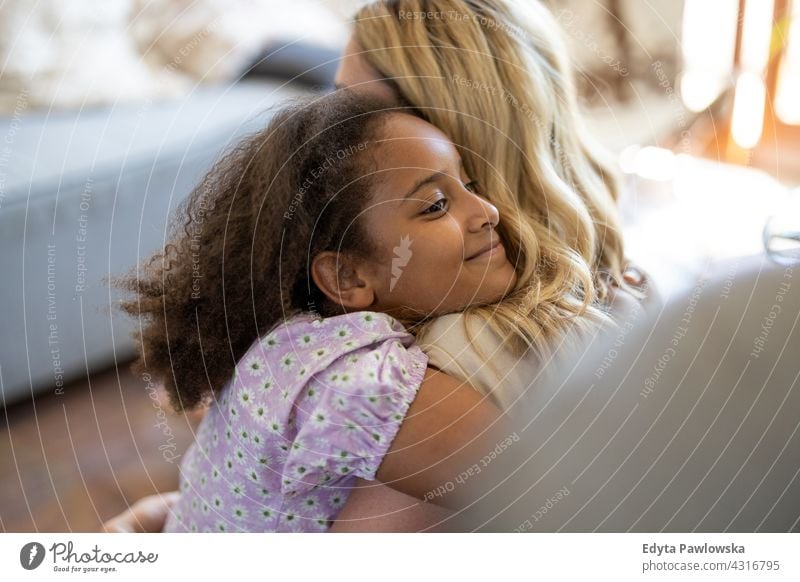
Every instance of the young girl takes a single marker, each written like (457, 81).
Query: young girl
(283, 302)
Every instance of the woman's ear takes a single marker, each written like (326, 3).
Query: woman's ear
(342, 280)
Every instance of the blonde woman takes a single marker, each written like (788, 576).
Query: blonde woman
(495, 76)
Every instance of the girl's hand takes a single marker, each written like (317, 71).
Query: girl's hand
(148, 515)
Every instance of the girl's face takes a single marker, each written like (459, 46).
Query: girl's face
(438, 250)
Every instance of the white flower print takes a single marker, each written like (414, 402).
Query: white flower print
(325, 479)
(369, 374)
(217, 502)
(271, 341)
(346, 379)
(274, 425)
(259, 414)
(240, 455)
(245, 397)
(263, 460)
(300, 471)
(299, 444)
(239, 512)
(229, 463)
(310, 505)
(267, 384)
(287, 362)
(307, 339)
(319, 418)
(313, 392)
(266, 513)
(368, 319)
(252, 475)
(302, 373)
(282, 453)
(319, 522)
(340, 403)
(320, 463)
(342, 332)
(337, 499)
(255, 365)
(256, 438)
(237, 490)
(319, 353)
(291, 520)
(344, 469)
(221, 525)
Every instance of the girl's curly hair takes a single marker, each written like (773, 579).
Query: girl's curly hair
(238, 259)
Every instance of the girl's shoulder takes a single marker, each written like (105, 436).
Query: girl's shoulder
(344, 331)
(305, 343)
(336, 390)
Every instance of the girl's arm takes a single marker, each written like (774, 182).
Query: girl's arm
(375, 507)
(443, 449)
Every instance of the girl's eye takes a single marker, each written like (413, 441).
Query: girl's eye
(472, 186)
(437, 206)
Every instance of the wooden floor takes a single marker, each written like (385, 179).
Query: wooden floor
(71, 461)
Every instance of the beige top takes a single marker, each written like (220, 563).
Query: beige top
(501, 376)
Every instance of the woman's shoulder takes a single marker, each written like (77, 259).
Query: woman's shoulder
(459, 333)
(466, 347)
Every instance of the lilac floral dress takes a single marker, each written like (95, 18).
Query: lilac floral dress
(312, 406)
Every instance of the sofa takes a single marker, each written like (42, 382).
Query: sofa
(87, 193)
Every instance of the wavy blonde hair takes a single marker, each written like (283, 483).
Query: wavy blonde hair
(494, 75)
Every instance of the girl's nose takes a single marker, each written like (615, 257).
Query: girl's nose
(483, 214)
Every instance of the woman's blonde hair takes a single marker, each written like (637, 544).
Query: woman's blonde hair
(494, 75)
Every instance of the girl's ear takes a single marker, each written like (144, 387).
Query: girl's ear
(342, 280)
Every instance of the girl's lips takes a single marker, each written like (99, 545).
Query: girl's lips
(495, 250)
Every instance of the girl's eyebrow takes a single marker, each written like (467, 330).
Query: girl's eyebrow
(434, 177)
(424, 182)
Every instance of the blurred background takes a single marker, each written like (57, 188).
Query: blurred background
(111, 111)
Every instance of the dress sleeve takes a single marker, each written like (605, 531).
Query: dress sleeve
(348, 415)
